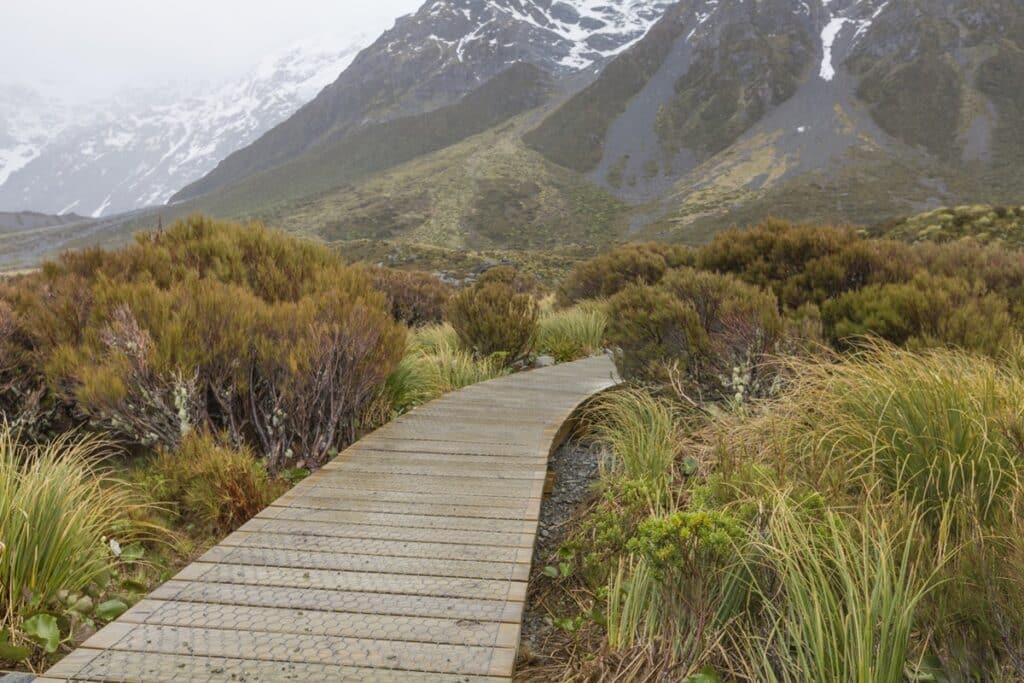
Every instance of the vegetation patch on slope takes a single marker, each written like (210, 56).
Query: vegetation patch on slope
(998, 225)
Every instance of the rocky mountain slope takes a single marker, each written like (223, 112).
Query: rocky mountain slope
(431, 58)
(843, 110)
(136, 151)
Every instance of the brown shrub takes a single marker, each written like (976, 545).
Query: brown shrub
(214, 485)
(606, 275)
(494, 319)
(712, 333)
(270, 339)
(806, 263)
(515, 279)
(416, 298)
(928, 311)
(24, 404)
(654, 334)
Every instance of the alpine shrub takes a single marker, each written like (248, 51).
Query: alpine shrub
(608, 274)
(704, 332)
(494, 319)
(416, 298)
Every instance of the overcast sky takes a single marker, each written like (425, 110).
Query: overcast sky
(85, 47)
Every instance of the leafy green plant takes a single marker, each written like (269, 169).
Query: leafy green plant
(43, 629)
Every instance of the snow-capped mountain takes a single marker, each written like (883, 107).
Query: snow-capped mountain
(433, 57)
(139, 148)
(28, 122)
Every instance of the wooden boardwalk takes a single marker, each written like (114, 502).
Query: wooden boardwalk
(405, 559)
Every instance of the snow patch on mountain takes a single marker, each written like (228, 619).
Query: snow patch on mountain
(578, 33)
(835, 25)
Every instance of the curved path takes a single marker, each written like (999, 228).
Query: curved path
(405, 559)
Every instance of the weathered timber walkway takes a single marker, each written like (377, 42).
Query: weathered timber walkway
(405, 559)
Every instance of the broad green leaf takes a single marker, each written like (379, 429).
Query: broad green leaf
(12, 653)
(43, 629)
(689, 468)
(931, 671)
(83, 605)
(135, 586)
(111, 609)
(133, 553)
(708, 675)
(551, 572)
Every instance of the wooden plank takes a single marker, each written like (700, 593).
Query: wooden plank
(132, 667)
(316, 501)
(307, 559)
(366, 653)
(406, 558)
(421, 521)
(363, 582)
(281, 620)
(388, 533)
(340, 601)
(363, 546)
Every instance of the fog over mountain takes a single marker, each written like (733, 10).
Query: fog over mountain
(109, 106)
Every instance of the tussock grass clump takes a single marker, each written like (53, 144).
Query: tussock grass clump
(435, 365)
(863, 526)
(887, 431)
(941, 430)
(59, 510)
(840, 596)
(574, 333)
(643, 436)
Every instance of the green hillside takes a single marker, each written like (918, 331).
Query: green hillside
(1001, 225)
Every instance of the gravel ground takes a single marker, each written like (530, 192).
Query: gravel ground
(576, 466)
